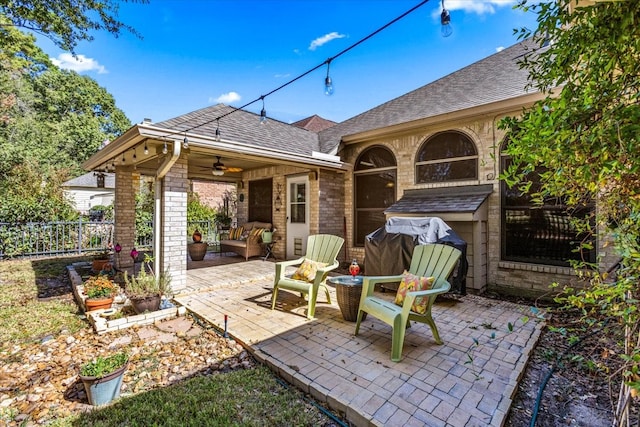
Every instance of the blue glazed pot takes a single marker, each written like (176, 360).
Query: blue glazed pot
(101, 391)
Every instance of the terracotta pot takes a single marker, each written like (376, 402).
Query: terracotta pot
(197, 236)
(197, 251)
(144, 304)
(91, 304)
(98, 264)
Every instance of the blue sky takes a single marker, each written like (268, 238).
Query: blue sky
(200, 52)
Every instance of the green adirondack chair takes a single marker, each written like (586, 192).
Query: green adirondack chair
(321, 248)
(427, 260)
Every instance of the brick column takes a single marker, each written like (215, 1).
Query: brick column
(175, 186)
(125, 214)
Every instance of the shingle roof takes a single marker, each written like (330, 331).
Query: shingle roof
(88, 180)
(314, 123)
(450, 199)
(495, 78)
(243, 126)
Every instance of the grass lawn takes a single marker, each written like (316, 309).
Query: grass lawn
(37, 309)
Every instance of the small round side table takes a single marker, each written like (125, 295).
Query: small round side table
(348, 291)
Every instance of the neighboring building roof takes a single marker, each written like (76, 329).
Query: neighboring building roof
(88, 180)
(492, 79)
(314, 123)
(450, 199)
(245, 127)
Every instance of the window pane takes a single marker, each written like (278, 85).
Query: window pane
(375, 190)
(376, 157)
(298, 213)
(368, 221)
(447, 171)
(447, 145)
(260, 200)
(539, 234)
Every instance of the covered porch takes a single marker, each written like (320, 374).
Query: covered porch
(468, 381)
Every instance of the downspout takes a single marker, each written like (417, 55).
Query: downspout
(164, 167)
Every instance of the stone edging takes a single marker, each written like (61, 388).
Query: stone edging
(100, 324)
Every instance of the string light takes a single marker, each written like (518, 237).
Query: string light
(135, 158)
(123, 160)
(146, 149)
(445, 20)
(218, 130)
(328, 84)
(263, 113)
(185, 143)
(164, 149)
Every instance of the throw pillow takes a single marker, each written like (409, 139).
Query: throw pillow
(244, 236)
(411, 282)
(307, 270)
(256, 232)
(235, 233)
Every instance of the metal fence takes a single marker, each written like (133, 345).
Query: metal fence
(76, 237)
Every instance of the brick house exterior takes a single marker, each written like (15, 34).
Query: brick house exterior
(337, 163)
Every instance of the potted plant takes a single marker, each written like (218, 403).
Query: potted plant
(102, 258)
(100, 291)
(102, 377)
(145, 291)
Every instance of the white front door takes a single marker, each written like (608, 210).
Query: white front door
(297, 215)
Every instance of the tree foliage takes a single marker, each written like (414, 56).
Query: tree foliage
(51, 121)
(586, 134)
(65, 22)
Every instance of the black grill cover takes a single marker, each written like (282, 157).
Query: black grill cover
(390, 254)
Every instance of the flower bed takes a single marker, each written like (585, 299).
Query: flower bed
(122, 316)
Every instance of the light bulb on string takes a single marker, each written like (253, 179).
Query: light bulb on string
(328, 84)
(146, 149)
(218, 130)
(263, 113)
(185, 143)
(164, 148)
(445, 21)
(123, 159)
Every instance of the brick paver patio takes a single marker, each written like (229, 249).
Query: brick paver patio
(468, 381)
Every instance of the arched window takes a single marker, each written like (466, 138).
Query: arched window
(538, 234)
(447, 156)
(374, 190)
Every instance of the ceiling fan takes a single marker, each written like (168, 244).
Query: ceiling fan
(219, 168)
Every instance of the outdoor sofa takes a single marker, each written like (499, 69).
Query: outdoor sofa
(245, 240)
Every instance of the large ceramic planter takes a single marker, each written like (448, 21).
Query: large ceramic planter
(197, 251)
(101, 391)
(91, 304)
(146, 304)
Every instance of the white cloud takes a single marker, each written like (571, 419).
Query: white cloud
(325, 39)
(499, 48)
(79, 63)
(282, 76)
(226, 98)
(477, 6)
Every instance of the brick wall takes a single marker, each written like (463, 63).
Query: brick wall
(211, 193)
(126, 186)
(175, 186)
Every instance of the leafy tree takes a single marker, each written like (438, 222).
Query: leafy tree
(197, 211)
(586, 134)
(50, 122)
(65, 22)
